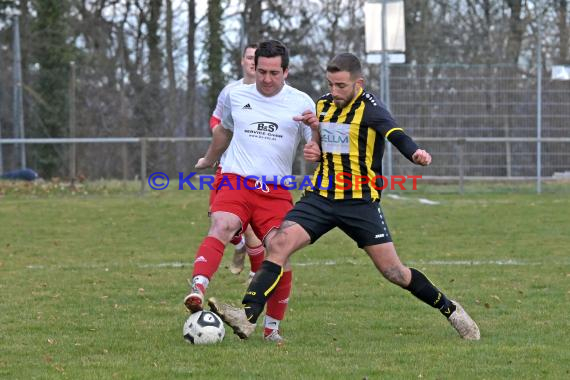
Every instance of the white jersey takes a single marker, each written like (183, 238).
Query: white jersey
(265, 136)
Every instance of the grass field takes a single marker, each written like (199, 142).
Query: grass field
(91, 287)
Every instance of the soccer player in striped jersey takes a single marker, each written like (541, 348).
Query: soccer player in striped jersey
(246, 243)
(346, 194)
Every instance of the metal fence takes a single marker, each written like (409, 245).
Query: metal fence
(478, 121)
(457, 159)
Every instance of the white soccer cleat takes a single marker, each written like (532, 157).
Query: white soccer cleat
(235, 317)
(463, 323)
(274, 336)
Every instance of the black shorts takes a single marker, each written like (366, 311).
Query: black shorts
(360, 219)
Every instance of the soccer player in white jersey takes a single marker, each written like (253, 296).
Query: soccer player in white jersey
(263, 125)
(246, 242)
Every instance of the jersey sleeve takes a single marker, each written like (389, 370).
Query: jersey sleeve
(220, 103)
(227, 119)
(214, 121)
(380, 119)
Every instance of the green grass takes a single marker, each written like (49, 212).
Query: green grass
(91, 283)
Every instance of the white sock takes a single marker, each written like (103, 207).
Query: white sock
(271, 323)
(202, 280)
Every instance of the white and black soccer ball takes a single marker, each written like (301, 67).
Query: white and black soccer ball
(204, 327)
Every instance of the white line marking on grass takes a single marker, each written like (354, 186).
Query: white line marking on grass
(175, 264)
(180, 264)
(423, 201)
(474, 262)
(428, 202)
(314, 263)
(398, 197)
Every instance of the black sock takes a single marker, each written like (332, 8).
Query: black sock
(423, 289)
(261, 287)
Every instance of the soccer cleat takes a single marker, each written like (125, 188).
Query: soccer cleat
(195, 299)
(234, 317)
(236, 265)
(463, 323)
(273, 336)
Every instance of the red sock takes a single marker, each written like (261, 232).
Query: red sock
(237, 239)
(256, 256)
(277, 302)
(208, 257)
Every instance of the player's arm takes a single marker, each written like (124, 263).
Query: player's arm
(379, 118)
(408, 147)
(221, 138)
(312, 149)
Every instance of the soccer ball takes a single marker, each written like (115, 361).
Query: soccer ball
(203, 327)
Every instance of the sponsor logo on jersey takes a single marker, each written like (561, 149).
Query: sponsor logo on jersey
(247, 107)
(265, 126)
(335, 137)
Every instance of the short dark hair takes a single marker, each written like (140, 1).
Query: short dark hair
(345, 62)
(248, 46)
(273, 48)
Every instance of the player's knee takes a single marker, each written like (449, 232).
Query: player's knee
(223, 228)
(278, 249)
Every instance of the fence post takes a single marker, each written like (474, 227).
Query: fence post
(539, 108)
(18, 102)
(461, 151)
(72, 122)
(144, 143)
(1, 156)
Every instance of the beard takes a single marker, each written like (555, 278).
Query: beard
(341, 103)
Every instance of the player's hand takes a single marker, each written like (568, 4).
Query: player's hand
(309, 118)
(204, 163)
(312, 151)
(421, 157)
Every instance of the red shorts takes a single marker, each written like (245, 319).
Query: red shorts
(263, 210)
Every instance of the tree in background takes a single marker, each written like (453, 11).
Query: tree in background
(155, 92)
(563, 32)
(154, 67)
(214, 47)
(52, 55)
(191, 74)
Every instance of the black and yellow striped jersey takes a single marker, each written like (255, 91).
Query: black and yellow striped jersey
(352, 144)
